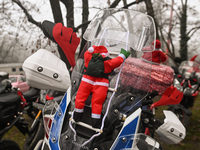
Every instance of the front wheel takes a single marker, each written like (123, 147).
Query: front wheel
(35, 136)
(183, 117)
(8, 145)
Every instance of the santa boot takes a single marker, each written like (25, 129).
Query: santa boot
(77, 116)
(96, 123)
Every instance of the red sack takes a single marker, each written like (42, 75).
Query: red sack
(138, 74)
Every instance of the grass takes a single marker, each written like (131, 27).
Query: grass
(15, 135)
(191, 141)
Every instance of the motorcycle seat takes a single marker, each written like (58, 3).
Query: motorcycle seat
(9, 98)
(33, 93)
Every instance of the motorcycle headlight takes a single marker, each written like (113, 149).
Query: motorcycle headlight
(178, 85)
(191, 90)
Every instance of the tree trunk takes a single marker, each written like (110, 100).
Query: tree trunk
(55, 6)
(85, 15)
(150, 12)
(183, 33)
(69, 4)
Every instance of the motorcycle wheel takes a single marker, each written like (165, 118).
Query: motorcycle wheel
(32, 112)
(183, 117)
(8, 145)
(33, 138)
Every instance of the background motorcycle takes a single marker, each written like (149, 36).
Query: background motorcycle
(32, 95)
(11, 110)
(186, 79)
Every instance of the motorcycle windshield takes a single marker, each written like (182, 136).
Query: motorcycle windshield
(117, 27)
(189, 68)
(132, 31)
(136, 141)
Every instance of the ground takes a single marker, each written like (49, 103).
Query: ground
(192, 140)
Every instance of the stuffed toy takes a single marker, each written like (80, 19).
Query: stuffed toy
(157, 55)
(98, 66)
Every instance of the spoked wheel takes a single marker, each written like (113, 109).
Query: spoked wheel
(183, 117)
(8, 145)
(35, 136)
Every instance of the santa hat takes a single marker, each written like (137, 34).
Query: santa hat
(157, 45)
(99, 49)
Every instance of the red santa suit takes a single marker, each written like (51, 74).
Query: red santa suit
(98, 86)
(157, 55)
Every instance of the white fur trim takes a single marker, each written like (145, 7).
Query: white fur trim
(91, 49)
(122, 55)
(95, 83)
(96, 116)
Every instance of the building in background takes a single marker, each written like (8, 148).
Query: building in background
(12, 68)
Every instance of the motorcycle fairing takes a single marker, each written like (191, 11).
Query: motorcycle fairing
(130, 126)
(57, 122)
(138, 142)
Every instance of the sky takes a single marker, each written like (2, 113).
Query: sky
(45, 12)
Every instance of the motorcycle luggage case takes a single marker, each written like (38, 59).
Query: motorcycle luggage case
(44, 71)
(9, 106)
(159, 76)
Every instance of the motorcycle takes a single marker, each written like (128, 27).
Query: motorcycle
(186, 80)
(130, 87)
(32, 95)
(11, 111)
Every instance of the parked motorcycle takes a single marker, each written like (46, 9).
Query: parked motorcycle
(130, 88)
(186, 80)
(11, 110)
(32, 95)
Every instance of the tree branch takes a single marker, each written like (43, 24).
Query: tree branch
(195, 29)
(30, 18)
(111, 6)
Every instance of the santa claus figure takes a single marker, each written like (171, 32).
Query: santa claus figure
(95, 80)
(157, 55)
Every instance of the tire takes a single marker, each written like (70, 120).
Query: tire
(35, 136)
(32, 112)
(183, 117)
(8, 145)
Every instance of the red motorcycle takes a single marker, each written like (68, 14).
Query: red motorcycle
(187, 81)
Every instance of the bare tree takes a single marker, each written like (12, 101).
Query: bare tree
(181, 15)
(69, 4)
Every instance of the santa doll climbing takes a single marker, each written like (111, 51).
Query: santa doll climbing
(95, 80)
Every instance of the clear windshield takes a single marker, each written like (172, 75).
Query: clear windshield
(13, 79)
(134, 142)
(132, 31)
(189, 68)
(116, 27)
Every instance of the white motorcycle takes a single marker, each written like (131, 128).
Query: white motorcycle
(128, 96)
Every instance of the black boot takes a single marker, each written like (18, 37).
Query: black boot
(77, 116)
(96, 123)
